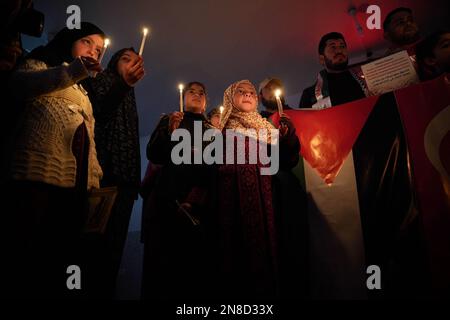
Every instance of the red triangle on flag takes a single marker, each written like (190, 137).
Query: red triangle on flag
(327, 136)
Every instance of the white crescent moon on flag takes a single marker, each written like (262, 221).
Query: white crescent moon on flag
(436, 131)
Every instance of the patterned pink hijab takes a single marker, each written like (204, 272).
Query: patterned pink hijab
(233, 118)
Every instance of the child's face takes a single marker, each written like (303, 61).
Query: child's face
(215, 120)
(245, 98)
(126, 61)
(195, 99)
(89, 46)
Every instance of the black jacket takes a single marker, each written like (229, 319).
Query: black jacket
(342, 88)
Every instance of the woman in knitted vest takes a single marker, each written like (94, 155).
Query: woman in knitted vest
(54, 161)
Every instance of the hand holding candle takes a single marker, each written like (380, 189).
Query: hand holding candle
(181, 87)
(144, 36)
(280, 106)
(105, 46)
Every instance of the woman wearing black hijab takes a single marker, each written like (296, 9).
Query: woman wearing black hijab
(54, 161)
(117, 140)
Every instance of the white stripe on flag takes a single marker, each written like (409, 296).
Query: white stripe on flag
(336, 242)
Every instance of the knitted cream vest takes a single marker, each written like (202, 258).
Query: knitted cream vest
(43, 151)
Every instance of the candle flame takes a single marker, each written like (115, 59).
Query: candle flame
(278, 93)
(221, 109)
(145, 31)
(107, 42)
(181, 87)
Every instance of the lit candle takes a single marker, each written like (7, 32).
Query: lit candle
(180, 87)
(280, 106)
(144, 35)
(221, 112)
(105, 46)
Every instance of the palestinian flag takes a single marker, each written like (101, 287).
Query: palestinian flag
(377, 176)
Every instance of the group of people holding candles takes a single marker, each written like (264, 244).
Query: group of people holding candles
(209, 228)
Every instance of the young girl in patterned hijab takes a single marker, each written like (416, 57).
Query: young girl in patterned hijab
(246, 228)
(240, 102)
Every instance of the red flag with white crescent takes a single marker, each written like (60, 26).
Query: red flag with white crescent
(425, 112)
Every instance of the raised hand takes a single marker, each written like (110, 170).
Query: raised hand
(285, 122)
(134, 72)
(175, 120)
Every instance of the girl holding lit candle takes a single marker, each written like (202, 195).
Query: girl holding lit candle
(246, 230)
(117, 144)
(192, 101)
(174, 252)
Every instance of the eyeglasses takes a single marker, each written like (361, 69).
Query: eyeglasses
(243, 92)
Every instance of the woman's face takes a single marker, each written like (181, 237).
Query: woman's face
(195, 99)
(245, 98)
(126, 61)
(89, 46)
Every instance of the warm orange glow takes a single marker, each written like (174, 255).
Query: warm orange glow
(278, 93)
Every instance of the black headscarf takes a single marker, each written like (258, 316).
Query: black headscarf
(59, 49)
(112, 65)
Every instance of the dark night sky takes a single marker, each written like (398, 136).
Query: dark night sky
(219, 42)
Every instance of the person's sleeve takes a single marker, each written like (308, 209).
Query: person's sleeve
(33, 78)
(159, 146)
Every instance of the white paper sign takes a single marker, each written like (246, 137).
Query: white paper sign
(322, 103)
(390, 73)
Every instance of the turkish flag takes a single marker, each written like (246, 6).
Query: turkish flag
(425, 112)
